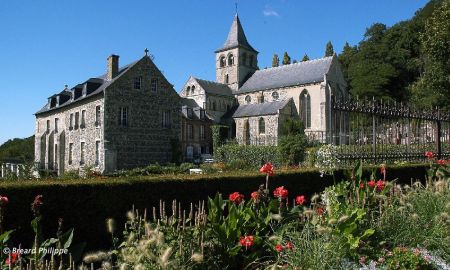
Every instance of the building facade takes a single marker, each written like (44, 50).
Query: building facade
(126, 118)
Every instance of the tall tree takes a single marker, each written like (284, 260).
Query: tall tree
(347, 55)
(305, 58)
(275, 60)
(286, 59)
(329, 51)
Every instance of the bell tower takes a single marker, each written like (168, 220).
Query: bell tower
(236, 60)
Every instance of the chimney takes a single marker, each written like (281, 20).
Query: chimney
(113, 67)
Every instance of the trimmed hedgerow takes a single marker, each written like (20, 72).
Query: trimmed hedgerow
(85, 204)
(248, 156)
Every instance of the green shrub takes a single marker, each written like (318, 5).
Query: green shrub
(292, 148)
(248, 156)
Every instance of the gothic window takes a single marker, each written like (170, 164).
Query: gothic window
(305, 108)
(188, 89)
(262, 126)
(244, 59)
(248, 99)
(154, 84)
(226, 78)
(222, 61)
(230, 60)
(193, 89)
(275, 95)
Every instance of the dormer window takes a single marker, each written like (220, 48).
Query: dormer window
(154, 85)
(222, 61)
(52, 102)
(137, 83)
(189, 112)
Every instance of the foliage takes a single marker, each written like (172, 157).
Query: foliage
(17, 150)
(219, 133)
(247, 156)
(292, 148)
(156, 169)
(329, 51)
(275, 61)
(326, 159)
(286, 59)
(292, 127)
(305, 58)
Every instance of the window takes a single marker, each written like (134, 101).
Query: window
(202, 132)
(70, 153)
(275, 96)
(244, 59)
(261, 98)
(193, 90)
(230, 60)
(227, 79)
(262, 126)
(83, 119)
(248, 99)
(48, 126)
(56, 124)
(71, 121)
(190, 132)
(202, 114)
(189, 112)
(250, 61)
(97, 116)
(222, 61)
(97, 153)
(77, 116)
(188, 89)
(154, 85)
(123, 116)
(305, 107)
(82, 152)
(166, 121)
(137, 83)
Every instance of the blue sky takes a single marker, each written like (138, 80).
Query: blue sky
(47, 44)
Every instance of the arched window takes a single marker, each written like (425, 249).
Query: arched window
(275, 95)
(227, 79)
(262, 126)
(230, 59)
(188, 89)
(248, 99)
(193, 89)
(244, 59)
(222, 61)
(251, 61)
(305, 108)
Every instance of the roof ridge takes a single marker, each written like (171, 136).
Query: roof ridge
(297, 64)
(208, 81)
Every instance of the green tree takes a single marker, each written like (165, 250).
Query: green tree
(293, 142)
(329, 51)
(17, 150)
(305, 58)
(348, 52)
(275, 60)
(286, 59)
(294, 62)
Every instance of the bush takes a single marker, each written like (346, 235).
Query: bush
(248, 156)
(292, 148)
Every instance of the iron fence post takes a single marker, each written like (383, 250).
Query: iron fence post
(438, 135)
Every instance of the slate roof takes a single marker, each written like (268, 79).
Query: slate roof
(214, 87)
(192, 104)
(236, 37)
(101, 80)
(312, 71)
(266, 108)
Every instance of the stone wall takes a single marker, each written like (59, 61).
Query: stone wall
(196, 141)
(144, 140)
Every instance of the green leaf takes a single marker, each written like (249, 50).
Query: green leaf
(66, 238)
(4, 237)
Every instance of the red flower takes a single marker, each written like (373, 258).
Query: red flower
(280, 192)
(267, 169)
(279, 248)
(372, 183)
(361, 185)
(236, 197)
(442, 162)
(255, 195)
(3, 201)
(300, 200)
(429, 154)
(12, 260)
(246, 241)
(37, 203)
(319, 211)
(381, 185)
(289, 245)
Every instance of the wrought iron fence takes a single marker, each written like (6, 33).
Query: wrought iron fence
(379, 132)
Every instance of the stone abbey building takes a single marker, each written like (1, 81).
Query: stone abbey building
(132, 116)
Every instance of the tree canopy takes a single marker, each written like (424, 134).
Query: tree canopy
(286, 59)
(17, 150)
(329, 51)
(275, 60)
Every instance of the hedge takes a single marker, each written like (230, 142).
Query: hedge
(248, 156)
(86, 204)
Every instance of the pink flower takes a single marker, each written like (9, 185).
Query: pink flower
(236, 197)
(319, 211)
(37, 204)
(429, 154)
(381, 185)
(247, 241)
(267, 169)
(300, 200)
(255, 195)
(442, 162)
(279, 248)
(3, 201)
(372, 183)
(289, 245)
(361, 185)
(280, 192)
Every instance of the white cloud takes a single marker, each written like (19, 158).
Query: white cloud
(268, 11)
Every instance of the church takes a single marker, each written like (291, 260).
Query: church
(254, 103)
